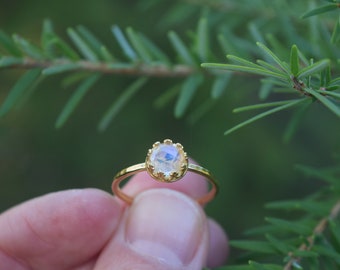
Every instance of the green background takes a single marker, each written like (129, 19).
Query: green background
(253, 166)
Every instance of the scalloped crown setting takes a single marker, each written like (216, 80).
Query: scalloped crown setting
(167, 161)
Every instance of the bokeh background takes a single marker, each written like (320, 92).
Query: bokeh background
(254, 165)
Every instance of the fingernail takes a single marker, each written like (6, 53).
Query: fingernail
(166, 225)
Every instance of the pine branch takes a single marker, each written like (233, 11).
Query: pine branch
(62, 65)
(319, 229)
(305, 80)
(144, 58)
(320, 243)
(141, 57)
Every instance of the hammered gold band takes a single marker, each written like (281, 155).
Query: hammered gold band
(129, 171)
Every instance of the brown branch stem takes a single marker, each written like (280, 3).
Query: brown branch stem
(138, 69)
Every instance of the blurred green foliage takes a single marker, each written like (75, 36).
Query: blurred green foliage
(254, 165)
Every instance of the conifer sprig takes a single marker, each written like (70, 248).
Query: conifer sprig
(308, 242)
(309, 82)
(139, 57)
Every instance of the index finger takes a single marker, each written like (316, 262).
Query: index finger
(54, 231)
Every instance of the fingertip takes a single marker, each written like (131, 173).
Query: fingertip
(90, 208)
(59, 224)
(96, 205)
(163, 229)
(173, 231)
(218, 245)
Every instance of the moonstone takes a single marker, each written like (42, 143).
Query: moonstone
(168, 160)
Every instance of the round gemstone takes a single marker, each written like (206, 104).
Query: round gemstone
(167, 161)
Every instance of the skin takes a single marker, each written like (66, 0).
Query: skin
(87, 229)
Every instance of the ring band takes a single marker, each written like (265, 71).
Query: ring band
(165, 162)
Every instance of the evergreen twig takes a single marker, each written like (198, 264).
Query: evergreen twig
(319, 229)
(108, 68)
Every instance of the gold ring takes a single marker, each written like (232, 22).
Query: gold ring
(165, 162)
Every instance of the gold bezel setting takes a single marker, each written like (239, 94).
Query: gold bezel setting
(167, 161)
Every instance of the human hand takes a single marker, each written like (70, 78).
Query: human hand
(90, 229)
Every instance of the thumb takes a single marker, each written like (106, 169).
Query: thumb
(163, 229)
